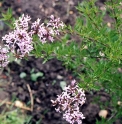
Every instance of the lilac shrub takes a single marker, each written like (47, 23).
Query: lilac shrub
(69, 101)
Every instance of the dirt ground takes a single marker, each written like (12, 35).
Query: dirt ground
(46, 87)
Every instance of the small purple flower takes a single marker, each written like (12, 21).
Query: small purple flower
(3, 57)
(22, 22)
(69, 101)
(46, 32)
(56, 23)
(19, 42)
(35, 25)
(73, 117)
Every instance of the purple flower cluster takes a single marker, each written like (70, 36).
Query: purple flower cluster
(46, 32)
(20, 40)
(69, 101)
(3, 57)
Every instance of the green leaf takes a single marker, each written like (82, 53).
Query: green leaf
(23, 75)
(62, 84)
(34, 76)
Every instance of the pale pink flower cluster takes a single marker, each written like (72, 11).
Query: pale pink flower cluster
(46, 32)
(69, 101)
(20, 40)
(3, 57)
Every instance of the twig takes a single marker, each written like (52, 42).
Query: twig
(31, 96)
(14, 104)
(112, 116)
